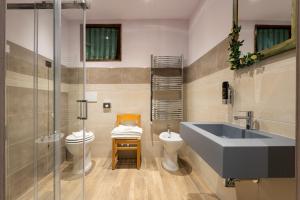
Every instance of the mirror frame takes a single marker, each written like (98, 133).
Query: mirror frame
(279, 48)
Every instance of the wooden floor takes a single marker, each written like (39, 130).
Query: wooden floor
(151, 182)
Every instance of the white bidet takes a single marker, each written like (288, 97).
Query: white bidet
(172, 143)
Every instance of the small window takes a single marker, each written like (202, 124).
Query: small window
(103, 42)
(267, 36)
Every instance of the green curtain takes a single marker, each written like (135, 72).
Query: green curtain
(101, 43)
(267, 38)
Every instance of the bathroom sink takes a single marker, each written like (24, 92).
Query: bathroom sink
(234, 152)
(226, 131)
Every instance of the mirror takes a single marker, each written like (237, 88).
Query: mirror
(267, 26)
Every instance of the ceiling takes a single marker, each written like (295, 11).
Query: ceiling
(131, 9)
(265, 10)
(137, 9)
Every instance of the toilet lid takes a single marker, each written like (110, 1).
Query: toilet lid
(73, 139)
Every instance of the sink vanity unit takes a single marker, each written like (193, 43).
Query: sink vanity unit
(238, 153)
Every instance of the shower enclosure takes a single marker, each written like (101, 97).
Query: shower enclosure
(43, 104)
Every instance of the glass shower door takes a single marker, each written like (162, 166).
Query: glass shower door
(19, 86)
(73, 76)
(42, 89)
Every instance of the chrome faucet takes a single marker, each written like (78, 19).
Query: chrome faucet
(169, 131)
(248, 118)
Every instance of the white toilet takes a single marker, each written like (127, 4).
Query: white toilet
(172, 143)
(74, 145)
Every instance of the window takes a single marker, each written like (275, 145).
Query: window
(103, 42)
(267, 36)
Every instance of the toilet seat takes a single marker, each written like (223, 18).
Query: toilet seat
(89, 136)
(80, 156)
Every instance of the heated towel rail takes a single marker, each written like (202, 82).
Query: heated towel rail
(166, 88)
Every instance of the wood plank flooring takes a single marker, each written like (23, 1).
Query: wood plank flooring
(151, 182)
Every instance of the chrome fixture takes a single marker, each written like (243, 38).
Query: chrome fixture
(230, 182)
(248, 118)
(83, 115)
(169, 132)
(166, 78)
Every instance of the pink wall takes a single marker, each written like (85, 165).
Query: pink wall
(210, 25)
(140, 39)
(20, 30)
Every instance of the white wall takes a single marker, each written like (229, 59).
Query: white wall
(20, 27)
(210, 25)
(140, 39)
(20, 30)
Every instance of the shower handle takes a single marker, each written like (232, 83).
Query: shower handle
(83, 110)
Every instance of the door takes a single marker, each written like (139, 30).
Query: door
(41, 101)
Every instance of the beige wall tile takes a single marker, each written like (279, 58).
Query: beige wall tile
(268, 89)
(124, 98)
(118, 75)
(214, 60)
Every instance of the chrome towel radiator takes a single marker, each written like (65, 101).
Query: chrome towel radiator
(166, 88)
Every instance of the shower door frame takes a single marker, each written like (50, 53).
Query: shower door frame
(298, 102)
(2, 97)
(56, 93)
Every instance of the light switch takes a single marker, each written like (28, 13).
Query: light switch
(106, 105)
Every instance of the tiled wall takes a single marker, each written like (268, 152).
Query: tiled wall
(124, 98)
(19, 124)
(267, 88)
(128, 91)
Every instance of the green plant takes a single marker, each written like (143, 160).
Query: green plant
(236, 59)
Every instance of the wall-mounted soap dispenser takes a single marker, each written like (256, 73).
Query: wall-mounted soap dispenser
(227, 93)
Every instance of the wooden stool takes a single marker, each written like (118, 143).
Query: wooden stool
(126, 145)
(133, 143)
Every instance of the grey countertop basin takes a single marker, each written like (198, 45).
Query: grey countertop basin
(234, 152)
